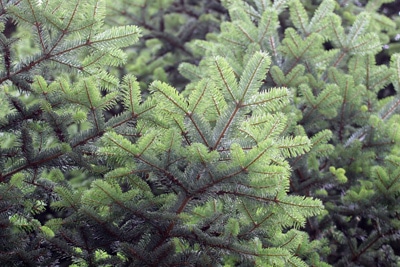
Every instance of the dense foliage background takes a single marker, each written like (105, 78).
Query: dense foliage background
(200, 133)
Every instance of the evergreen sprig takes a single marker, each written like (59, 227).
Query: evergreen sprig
(326, 58)
(276, 144)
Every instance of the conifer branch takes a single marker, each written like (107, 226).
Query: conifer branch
(390, 111)
(226, 74)
(269, 200)
(225, 128)
(102, 171)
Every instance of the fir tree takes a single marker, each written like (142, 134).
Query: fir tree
(172, 180)
(329, 65)
(109, 157)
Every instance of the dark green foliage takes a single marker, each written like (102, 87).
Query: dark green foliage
(167, 25)
(170, 180)
(335, 92)
(232, 133)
